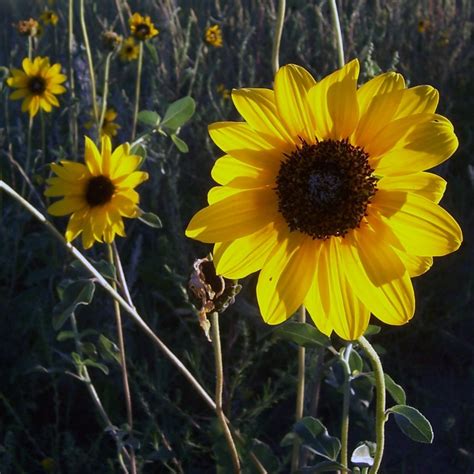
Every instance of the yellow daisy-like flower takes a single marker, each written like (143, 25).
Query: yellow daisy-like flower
(129, 50)
(223, 91)
(109, 127)
(48, 17)
(141, 27)
(38, 84)
(213, 36)
(98, 193)
(323, 190)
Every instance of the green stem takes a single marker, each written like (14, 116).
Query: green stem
(30, 48)
(337, 28)
(43, 137)
(380, 401)
(345, 405)
(90, 63)
(295, 459)
(83, 374)
(277, 36)
(28, 153)
(72, 96)
(216, 340)
(123, 364)
(106, 90)
(137, 90)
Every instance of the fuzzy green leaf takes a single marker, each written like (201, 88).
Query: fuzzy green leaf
(149, 117)
(151, 220)
(178, 113)
(302, 334)
(412, 423)
(180, 144)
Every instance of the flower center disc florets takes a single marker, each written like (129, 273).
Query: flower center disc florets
(37, 85)
(99, 191)
(142, 30)
(324, 189)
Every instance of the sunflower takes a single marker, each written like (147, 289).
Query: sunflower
(98, 193)
(109, 127)
(141, 27)
(38, 85)
(129, 50)
(48, 17)
(213, 36)
(323, 190)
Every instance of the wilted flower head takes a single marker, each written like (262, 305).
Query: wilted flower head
(28, 27)
(48, 17)
(111, 40)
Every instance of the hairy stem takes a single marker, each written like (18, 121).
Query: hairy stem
(380, 417)
(90, 63)
(72, 93)
(137, 91)
(345, 405)
(105, 90)
(28, 153)
(123, 366)
(216, 340)
(295, 459)
(337, 29)
(277, 36)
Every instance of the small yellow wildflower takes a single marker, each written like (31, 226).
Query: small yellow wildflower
(213, 36)
(109, 127)
(97, 194)
(38, 84)
(48, 17)
(223, 91)
(141, 27)
(423, 25)
(129, 50)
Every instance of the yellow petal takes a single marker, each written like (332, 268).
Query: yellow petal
(428, 185)
(238, 174)
(234, 216)
(126, 165)
(334, 102)
(87, 235)
(242, 142)
(59, 187)
(92, 157)
(241, 257)
(106, 152)
(27, 66)
(218, 193)
(132, 180)
(19, 94)
(65, 206)
(51, 98)
(70, 170)
(34, 105)
(117, 156)
(285, 278)
(56, 89)
(76, 224)
(45, 105)
(423, 227)
(378, 102)
(292, 84)
(415, 265)
(346, 314)
(408, 145)
(258, 108)
(378, 276)
(98, 220)
(417, 100)
(124, 206)
(26, 104)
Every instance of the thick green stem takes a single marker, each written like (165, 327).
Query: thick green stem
(137, 91)
(345, 405)
(123, 365)
(105, 91)
(337, 29)
(216, 340)
(380, 417)
(28, 153)
(295, 459)
(277, 36)
(90, 63)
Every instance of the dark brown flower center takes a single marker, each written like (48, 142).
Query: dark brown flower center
(324, 189)
(142, 30)
(99, 191)
(37, 85)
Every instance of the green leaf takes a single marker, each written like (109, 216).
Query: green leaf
(153, 53)
(149, 117)
(265, 455)
(64, 336)
(77, 293)
(178, 113)
(140, 151)
(105, 268)
(97, 365)
(151, 220)
(355, 362)
(108, 349)
(302, 334)
(412, 423)
(363, 454)
(396, 391)
(316, 438)
(180, 144)
(371, 330)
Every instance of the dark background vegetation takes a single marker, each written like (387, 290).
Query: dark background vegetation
(46, 413)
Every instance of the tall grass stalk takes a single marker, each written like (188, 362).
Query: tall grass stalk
(137, 90)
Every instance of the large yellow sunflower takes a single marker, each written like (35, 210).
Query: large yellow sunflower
(97, 194)
(141, 27)
(323, 190)
(38, 84)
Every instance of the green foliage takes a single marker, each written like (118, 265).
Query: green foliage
(302, 334)
(412, 423)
